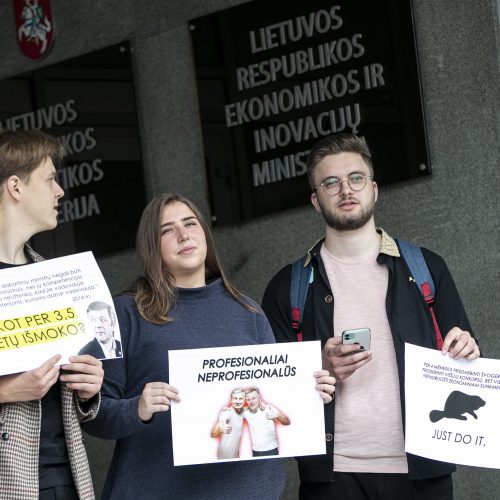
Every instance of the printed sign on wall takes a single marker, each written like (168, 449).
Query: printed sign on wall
(272, 81)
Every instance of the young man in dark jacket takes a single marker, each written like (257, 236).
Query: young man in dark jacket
(361, 280)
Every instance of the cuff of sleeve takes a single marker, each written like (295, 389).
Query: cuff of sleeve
(87, 408)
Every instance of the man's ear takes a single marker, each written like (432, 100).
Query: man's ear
(13, 187)
(375, 190)
(314, 201)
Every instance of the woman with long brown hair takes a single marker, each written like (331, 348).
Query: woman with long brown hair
(182, 301)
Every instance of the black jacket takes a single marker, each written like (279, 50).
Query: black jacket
(409, 319)
(94, 349)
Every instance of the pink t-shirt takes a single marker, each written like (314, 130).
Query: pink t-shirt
(368, 423)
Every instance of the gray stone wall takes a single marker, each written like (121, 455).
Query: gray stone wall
(454, 212)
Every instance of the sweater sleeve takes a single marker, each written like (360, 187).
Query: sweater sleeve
(276, 306)
(118, 415)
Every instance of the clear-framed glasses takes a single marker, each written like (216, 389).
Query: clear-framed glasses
(332, 185)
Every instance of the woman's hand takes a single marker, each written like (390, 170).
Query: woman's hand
(325, 385)
(156, 396)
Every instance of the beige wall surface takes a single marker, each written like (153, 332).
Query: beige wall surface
(454, 212)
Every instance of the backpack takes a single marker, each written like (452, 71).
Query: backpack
(303, 276)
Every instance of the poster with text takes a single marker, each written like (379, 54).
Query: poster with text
(246, 402)
(58, 306)
(452, 408)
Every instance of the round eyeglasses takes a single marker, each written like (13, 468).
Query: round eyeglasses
(332, 185)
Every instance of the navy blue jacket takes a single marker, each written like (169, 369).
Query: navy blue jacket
(142, 465)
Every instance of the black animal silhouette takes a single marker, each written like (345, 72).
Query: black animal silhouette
(456, 405)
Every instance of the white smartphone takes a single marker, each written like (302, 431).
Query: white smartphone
(361, 336)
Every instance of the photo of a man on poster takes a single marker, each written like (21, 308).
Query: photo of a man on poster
(103, 320)
(229, 426)
(261, 418)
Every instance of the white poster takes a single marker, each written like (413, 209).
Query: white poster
(58, 306)
(246, 402)
(452, 408)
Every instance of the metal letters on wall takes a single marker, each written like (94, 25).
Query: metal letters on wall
(88, 102)
(273, 80)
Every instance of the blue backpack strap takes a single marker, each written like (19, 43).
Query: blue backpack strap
(301, 278)
(412, 254)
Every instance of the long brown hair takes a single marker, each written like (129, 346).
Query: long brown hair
(155, 292)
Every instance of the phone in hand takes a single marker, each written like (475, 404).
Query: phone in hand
(361, 336)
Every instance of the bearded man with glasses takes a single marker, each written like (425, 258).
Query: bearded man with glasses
(360, 280)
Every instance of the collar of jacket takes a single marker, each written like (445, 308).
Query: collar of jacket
(34, 256)
(387, 247)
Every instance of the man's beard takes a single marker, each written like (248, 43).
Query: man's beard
(347, 222)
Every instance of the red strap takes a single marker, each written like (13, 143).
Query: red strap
(429, 298)
(426, 292)
(295, 318)
(439, 337)
(296, 323)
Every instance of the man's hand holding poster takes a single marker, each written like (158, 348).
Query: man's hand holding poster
(58, 306)
(452, 408)
(246, 402)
